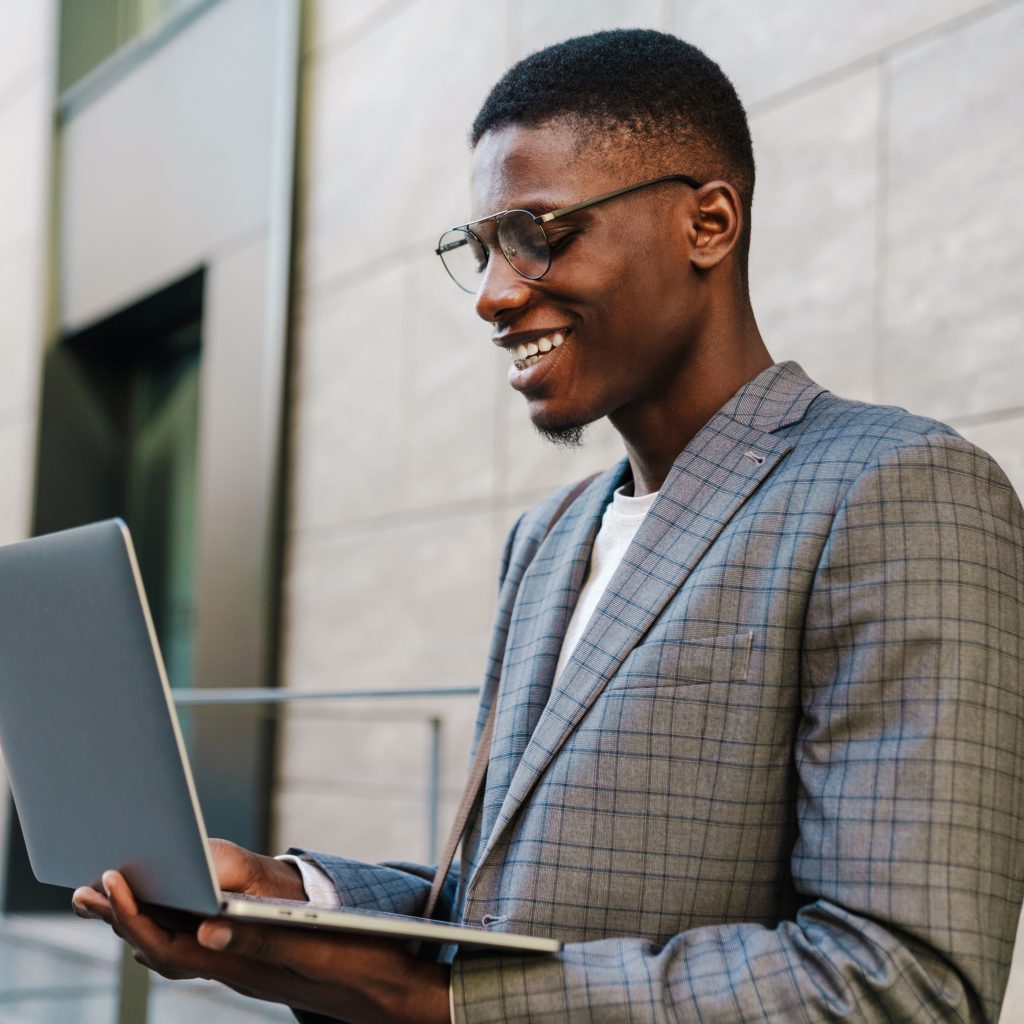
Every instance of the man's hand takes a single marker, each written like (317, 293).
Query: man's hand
(241, 870)
(352, 978)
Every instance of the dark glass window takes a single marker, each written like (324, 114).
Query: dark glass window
(119, 437)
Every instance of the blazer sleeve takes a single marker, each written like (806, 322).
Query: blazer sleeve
(910, 851)
(398, 887)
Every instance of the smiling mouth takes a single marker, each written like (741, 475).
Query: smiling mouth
(533, 352)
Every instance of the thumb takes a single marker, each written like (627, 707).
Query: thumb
(215, 934)
(260, 942)
(307, 952)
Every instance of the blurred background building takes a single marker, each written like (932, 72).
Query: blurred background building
(222, 319)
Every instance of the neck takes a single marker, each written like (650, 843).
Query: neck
(657, 432)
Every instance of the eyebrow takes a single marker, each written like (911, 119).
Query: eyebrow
(538, 209)
(544, 207)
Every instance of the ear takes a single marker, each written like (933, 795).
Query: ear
(716, 226)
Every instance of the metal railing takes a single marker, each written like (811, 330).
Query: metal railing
(133, 981)
(266, 696)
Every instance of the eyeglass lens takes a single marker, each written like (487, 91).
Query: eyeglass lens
(522, 242)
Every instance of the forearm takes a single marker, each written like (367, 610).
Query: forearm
(397, 887)
(827, 965)
(419, 996)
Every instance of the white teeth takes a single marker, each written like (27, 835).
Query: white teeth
(531, 353)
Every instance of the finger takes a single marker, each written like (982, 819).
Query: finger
(87, 902)
(311, 954)
(138, 929)
(164, 971)
(266, 943)
(174, 955)
(345, 985)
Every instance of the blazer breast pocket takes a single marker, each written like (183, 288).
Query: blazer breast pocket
(664, 664)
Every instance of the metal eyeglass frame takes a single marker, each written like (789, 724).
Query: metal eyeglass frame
(543, 219)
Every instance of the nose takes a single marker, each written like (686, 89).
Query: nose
(502, 291)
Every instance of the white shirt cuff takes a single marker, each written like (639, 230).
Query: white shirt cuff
(320, 891)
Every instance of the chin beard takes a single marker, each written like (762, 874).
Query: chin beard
(570, 436)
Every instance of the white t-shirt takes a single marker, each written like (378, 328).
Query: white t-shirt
(622, 518)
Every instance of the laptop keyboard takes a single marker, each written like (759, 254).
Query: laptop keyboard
(272, 900)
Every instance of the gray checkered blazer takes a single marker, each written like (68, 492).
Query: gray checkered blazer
(781, 776)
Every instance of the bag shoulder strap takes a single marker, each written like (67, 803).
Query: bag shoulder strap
(478, 769)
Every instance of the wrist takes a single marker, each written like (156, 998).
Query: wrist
(280, 879)
(424, 997)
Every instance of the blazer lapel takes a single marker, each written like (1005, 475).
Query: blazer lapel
(712, 478)
(715, 474)
(545, 602)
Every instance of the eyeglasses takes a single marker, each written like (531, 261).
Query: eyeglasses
(521, 238)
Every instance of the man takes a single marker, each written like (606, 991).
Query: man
(759, 744)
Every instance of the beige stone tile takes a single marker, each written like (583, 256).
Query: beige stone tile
(350, 748)
(1013, 1001)
(456, 738)
(502, 520)
(348, 410)
(452, 411)
(383, 742)
(331, 21)
(25, 42)
(540, 24)
(24, 129)
(17, 449)
(506, 516)
(812, 260)
(768, 48)
(402, 605)
(1002, 440)
(21, 299)
(386, 158)
(954, 312)
(367, 826)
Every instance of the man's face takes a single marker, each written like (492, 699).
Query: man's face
(619, 291)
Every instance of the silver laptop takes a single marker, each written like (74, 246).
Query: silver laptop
(95, 754)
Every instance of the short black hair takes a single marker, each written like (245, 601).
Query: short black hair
(651, 85)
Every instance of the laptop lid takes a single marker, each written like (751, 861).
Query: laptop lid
(88, 729)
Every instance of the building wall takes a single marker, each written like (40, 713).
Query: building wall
(25, 104)
(887, 239)
(26, 97)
